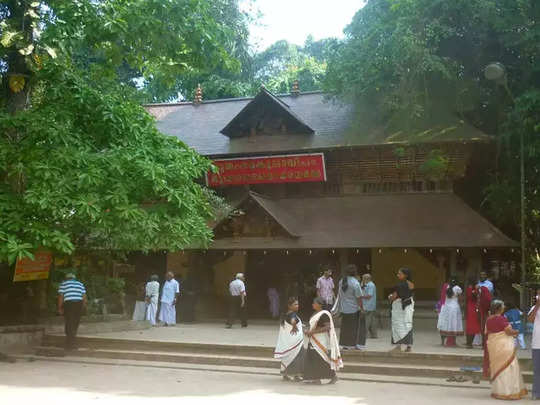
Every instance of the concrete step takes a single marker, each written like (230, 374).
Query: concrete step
(417, 359)
(351, 366)
(270, 372)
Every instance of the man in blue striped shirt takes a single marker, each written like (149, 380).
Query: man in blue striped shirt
(71, 301)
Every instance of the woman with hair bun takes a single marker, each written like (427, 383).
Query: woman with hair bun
(500, 360)
(402, 311)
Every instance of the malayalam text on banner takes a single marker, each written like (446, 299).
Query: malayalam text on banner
(38, 269)
(268, 169)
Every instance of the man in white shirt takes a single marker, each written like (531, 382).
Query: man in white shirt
(237, 301)
(485, 282)
(534, 317)
(169, 295)
(152, 296)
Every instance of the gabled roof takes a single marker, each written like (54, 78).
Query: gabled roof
(264, 106)
(334, 124)
(261, 202)
(373, 221)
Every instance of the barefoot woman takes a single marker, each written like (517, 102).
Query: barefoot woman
(290, 344)
(500, 361)
(402, 310)
(323, 358)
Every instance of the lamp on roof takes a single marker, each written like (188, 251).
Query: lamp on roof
(198, 95)
(295, 91)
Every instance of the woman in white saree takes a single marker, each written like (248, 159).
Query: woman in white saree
(323, 358)
(402, 311)
(290, 344)
(500, 360)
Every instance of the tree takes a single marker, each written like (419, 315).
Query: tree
(278, 66)
(81, 163)
(217, 80)
(412, 64)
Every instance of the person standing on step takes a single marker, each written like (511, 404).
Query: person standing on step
(71, 302)
(350, 302)
(484, 304)
(169, 297)
(450, 323)
(237, 301)
(325, 288)
(472, 327)
(534, 318)
(152, 297)
(515, 317)
(402, 310)
(369, 298)
(500, 361)
(486, 282)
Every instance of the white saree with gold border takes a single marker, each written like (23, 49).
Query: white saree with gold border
(326, 344)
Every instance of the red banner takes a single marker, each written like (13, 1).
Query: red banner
(37, 269)
(268, 169)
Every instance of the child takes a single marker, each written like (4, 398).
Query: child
(514, 316)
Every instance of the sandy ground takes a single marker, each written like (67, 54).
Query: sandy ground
(265, 334)
(47, 382)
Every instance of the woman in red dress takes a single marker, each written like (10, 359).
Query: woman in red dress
(483, 304)
(473, 322)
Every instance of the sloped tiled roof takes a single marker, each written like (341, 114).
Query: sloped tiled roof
(373, 221)
(265, 101)
(334, 124)
(199, 126)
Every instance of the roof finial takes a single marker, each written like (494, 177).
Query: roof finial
(198, 95)
(295, 91)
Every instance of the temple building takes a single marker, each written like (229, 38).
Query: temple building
(306, 188)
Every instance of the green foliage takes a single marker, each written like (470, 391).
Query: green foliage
(81, 163)
(90, 170)
(415, 70)
(436, 165)
(503, 194)
(277, 67)
(413, 64)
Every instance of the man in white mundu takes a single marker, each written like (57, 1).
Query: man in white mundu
(169, 295)
(152, 296)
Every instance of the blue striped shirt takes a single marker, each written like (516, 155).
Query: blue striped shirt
(72, 290)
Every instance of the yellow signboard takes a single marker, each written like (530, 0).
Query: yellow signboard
(37, 269)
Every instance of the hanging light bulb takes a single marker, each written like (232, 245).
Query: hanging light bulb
(430, 250)
(309, 251)
(405, 250)
(333, 251)
(264, 252)
(357, 251)
(457, 250)
(287, 252)
(380, 251)
(485, 250)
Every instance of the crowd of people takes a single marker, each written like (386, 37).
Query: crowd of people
(494, 325)
(354, 303)
(490, 323)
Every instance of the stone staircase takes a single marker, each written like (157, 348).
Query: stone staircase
(418, 365)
